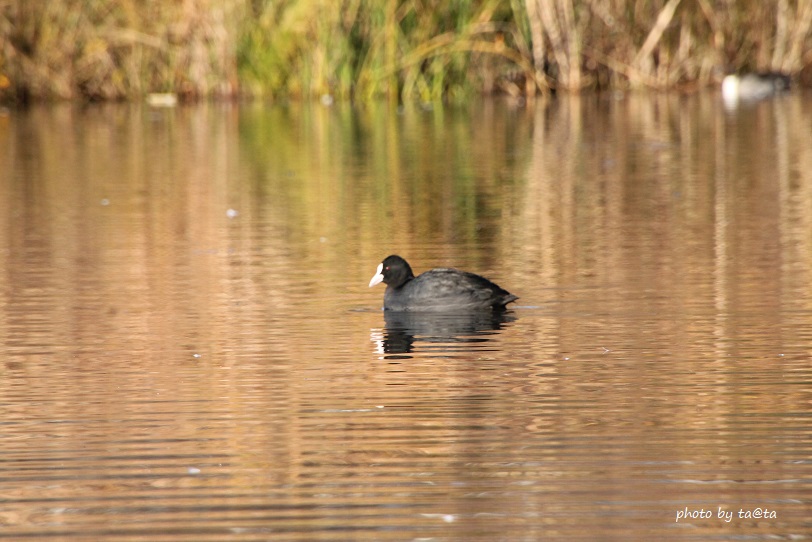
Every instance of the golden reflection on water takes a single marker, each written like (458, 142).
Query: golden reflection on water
(190, 350)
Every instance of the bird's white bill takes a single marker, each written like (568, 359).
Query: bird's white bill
(378, 278)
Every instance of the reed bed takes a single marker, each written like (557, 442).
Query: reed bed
(113, 49)
(420, 50)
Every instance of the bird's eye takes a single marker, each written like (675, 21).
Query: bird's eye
(386, 268)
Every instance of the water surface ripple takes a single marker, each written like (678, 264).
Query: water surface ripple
(190, 350)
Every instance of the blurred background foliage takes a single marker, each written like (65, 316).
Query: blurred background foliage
(420, 50)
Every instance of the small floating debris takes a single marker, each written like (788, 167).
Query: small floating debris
(193, 470)
(162, 99)
(232, 213)
(346, 410)
(105, 202)
(447, 518)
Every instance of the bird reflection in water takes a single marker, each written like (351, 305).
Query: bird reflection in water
(408, 332)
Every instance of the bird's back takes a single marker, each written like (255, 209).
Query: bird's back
(445, 289)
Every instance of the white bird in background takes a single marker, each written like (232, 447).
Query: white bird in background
(753, 86)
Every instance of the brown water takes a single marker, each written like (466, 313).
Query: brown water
(189, 350)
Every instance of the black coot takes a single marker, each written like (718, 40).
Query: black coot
(440, 289)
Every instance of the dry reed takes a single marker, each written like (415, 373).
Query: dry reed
(112, 49)
(428, 50)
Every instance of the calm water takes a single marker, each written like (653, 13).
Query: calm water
(189, 349)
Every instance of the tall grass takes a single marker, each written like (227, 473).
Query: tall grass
(409, 50)
(109, 49)
(365, 48)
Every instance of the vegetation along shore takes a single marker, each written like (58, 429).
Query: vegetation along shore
(401, 49)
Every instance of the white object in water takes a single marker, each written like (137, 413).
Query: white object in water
(753, 86)
(162, 99)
